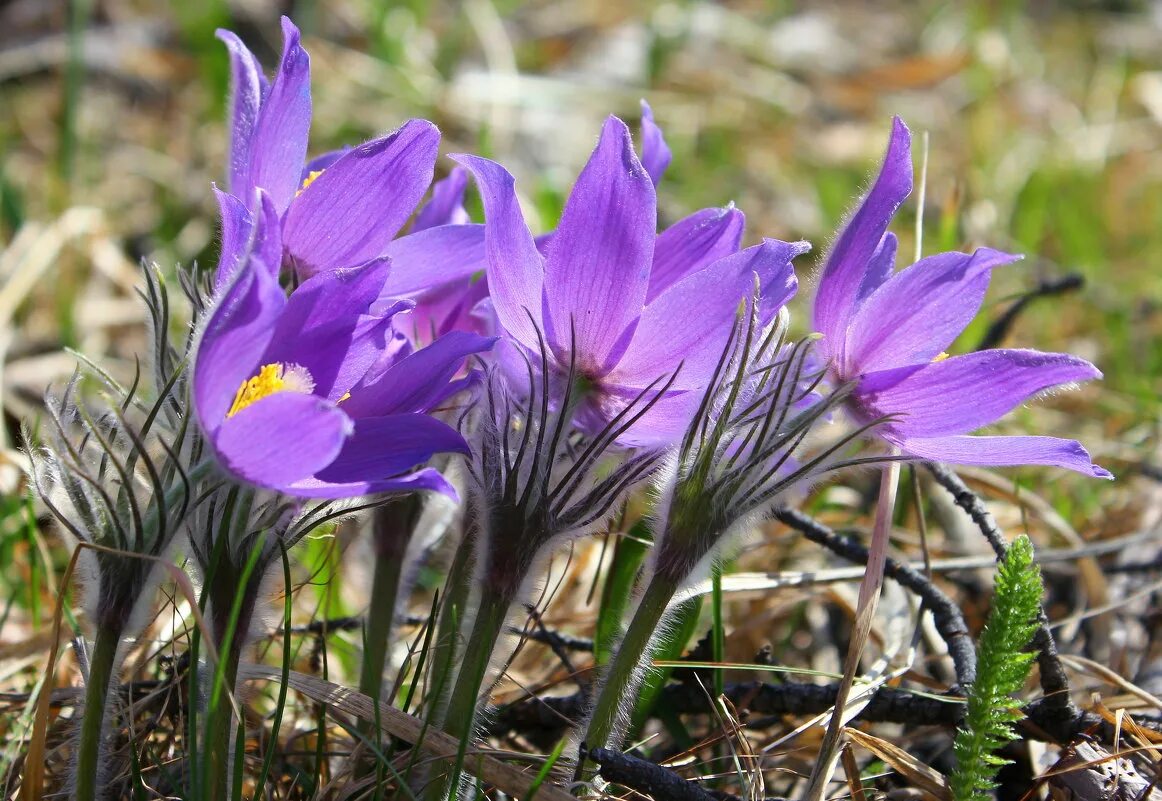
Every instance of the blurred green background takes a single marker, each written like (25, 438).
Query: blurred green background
(1044, 124)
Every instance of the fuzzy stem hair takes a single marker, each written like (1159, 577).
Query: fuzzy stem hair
(611, 712)
(92, 744)
(392, 527)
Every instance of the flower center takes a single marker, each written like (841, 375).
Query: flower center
(310, 179)
(272, 378)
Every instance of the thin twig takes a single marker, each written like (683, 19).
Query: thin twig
(550, 637)
(1000, 327)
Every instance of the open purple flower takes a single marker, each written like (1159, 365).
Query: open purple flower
(456, 305)
(621, 306)
(345, 208)
(313, 396)
(887, 331)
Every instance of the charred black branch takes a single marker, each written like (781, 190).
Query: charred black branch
(946, 614)
(799, 699)
(660, 783)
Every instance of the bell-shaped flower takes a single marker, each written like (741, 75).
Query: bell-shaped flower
(887, 331)
(345, 208)
(621, 308)
(313, 396)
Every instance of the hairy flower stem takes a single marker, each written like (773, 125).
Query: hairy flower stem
(233, 592)
(457, 589)
(623, 675)
(102, 662)
(460, 720)
(393, 525)
(219, 728)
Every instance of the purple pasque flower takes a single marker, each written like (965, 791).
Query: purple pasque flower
(456, 305)
(692, 242)
(619, 306)
(313, 395)
(887, 331)
(344, 208)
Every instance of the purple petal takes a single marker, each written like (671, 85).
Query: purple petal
(267, 243)
(692, 243)
(514, 362)
(448, 308)
(382, 447)
(323, 162)
(880, 267)
(433, 309)
(426, 479)
(397, 345)
(350, 213)
(656, 153)
(327, 328)
(279, 146)
(847, 263)
(963, 393)
(515, 268)
(415, 383)
(281, 439)
(446, 206)
(598, 264)
(664, 423)
(918, 312)
(691, 321)
(237, 228)
(238, 329)
(483, 318)
(777, 280)
(1006, 451)
(463, 317)
(245, 101)
(434, 257)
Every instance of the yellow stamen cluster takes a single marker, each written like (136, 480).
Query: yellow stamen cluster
(271, 378)
(943, 355)
(310, 179)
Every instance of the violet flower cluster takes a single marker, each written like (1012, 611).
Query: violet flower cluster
(355, 341)
(607, 341)
(624, 304)
(329, 365)
(619, 306)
